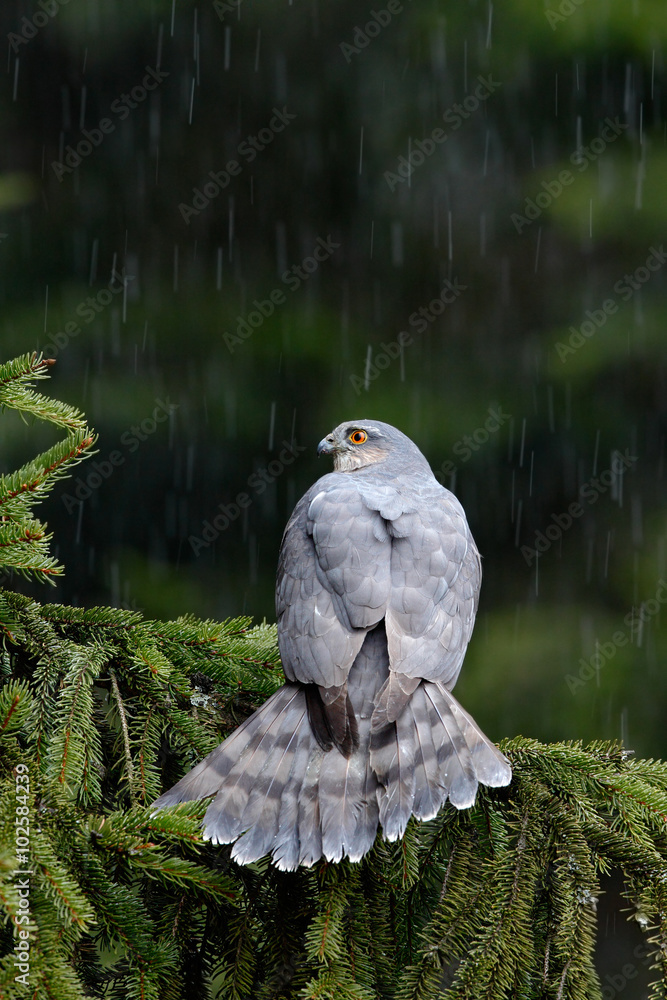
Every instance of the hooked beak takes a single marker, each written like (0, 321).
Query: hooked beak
(326, 446)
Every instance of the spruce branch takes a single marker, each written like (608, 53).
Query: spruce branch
(15, 392)
(126, 735)
(24, 541)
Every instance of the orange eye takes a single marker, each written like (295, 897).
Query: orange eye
(358, 437)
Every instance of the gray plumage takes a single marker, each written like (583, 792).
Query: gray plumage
(376, 595)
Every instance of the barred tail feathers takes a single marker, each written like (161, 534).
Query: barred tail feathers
(433, 752)
(491, 767)
(454, 760)
(276, 786)
(278, 792)
(431, 791)
(209, 775)
(348, 804)
(392, 759)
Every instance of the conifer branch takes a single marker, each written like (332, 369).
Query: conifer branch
(24, 541)
(126, 735)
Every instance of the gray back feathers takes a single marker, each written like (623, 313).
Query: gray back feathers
(377, 589)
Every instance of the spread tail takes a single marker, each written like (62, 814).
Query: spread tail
(433, 752)
(278, 791)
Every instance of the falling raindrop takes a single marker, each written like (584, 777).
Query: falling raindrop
(367, 368)
(82, 115)
(272, 425)
(517, 531)
(158, 56)
(523, 442)
(192, 100)
(641, 173)
(556, 96)
(530, 478)
(257, 46)
(228, 48)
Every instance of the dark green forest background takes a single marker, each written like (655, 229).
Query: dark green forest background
(160, 340)
(544, 207)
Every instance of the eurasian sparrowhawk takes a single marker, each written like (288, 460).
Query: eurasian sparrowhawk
(377, 589)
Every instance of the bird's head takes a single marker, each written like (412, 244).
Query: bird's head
(356, 444)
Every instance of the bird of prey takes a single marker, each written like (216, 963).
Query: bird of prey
(376, 595)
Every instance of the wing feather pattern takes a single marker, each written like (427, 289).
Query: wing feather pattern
(333, 582)
(376, 596)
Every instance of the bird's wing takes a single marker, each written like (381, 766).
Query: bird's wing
(435, 580)
(334, 581)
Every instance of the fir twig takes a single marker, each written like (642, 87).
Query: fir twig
(126, 735)
(24, 541)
